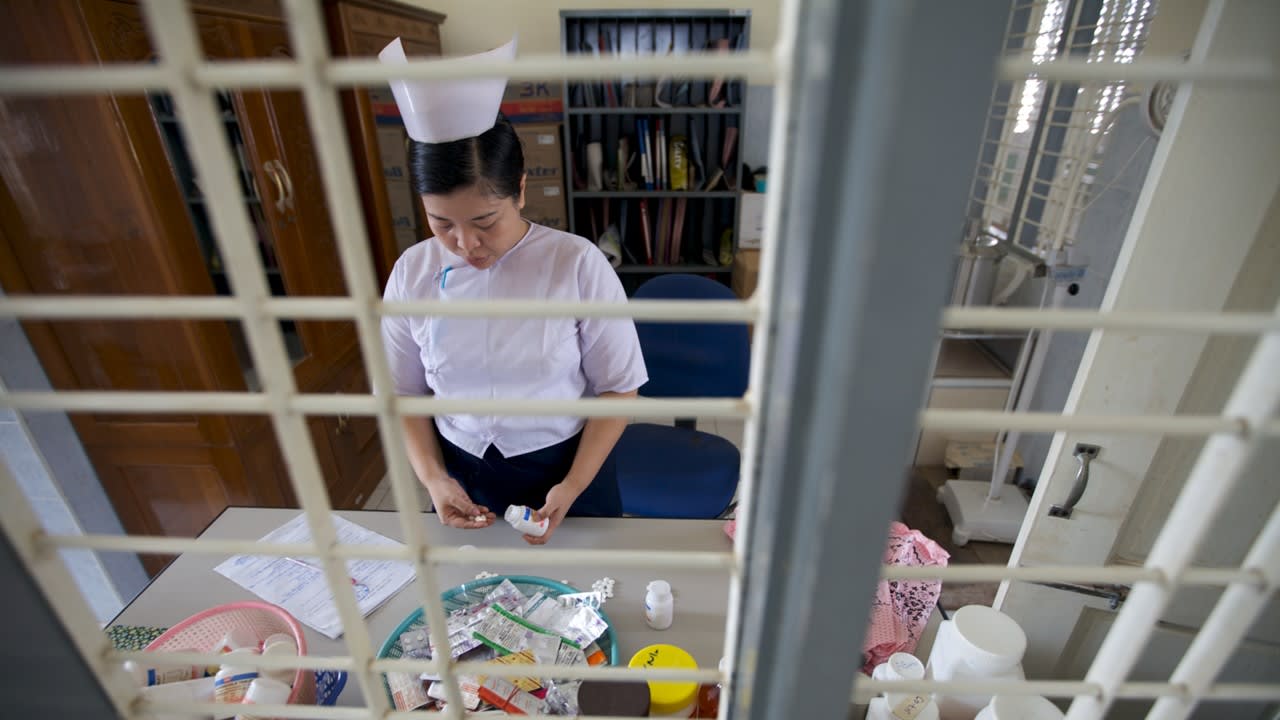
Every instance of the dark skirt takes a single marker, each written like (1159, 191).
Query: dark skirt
(496, 481)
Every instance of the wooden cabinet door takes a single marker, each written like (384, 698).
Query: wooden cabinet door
(89, 205)
(84, 209)
(277, 129)
(281, 144)
(356, 447)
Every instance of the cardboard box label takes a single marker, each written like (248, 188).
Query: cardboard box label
(751, 220)
(533, 101)
(392, 152)
(543, 159)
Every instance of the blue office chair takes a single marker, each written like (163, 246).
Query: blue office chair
(680, 472)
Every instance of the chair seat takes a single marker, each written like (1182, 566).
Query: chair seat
(672, 472)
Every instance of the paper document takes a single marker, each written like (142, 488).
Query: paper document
(298, 584)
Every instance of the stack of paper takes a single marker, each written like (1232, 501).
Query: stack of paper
(298, 584)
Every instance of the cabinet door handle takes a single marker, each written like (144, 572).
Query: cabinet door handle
(273, 169)
(288, 185)
(1084, 454)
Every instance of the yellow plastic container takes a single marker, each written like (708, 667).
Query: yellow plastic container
(668, 699)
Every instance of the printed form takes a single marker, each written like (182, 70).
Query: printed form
(298, 584)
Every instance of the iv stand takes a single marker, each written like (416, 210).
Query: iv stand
(988, 511)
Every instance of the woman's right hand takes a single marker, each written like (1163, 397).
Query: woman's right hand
(454, 506)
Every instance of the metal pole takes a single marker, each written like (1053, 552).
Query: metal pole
(881, 93)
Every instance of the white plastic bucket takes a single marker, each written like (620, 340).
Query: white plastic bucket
(990, 641)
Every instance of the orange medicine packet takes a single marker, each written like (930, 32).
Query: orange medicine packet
(524, 657)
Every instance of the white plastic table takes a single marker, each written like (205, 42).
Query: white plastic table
(189, 584)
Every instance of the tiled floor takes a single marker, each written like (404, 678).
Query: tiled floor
(381, 498)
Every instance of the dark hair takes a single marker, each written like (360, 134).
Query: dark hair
(493, 160)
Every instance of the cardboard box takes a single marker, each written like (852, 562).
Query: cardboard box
(545, 203)
(750, 220)
(384, 105)
(746, 271)
(543, 156)
(404, 212)
(406, 239)
(533, 101)
(393, 153)
(975, 460)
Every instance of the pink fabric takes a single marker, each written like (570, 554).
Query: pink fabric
(901, 608)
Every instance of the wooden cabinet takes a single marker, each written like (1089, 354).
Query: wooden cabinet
(98, 196)
(361, 28)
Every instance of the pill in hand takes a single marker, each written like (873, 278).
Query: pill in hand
(479, 518)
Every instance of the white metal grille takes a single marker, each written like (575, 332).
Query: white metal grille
(1035, 170)
(1248, 419)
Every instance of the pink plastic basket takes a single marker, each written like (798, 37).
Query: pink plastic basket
(203, 631)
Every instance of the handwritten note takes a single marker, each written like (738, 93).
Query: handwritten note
(301, 587)
(911, 707)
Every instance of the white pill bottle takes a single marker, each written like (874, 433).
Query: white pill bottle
(521, 518)
(893, 705)
(659, 606)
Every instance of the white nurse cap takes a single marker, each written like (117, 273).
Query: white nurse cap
(437, 111)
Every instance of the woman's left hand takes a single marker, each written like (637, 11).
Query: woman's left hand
(559, 500)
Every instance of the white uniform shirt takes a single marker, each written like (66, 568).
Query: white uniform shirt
(558, 358)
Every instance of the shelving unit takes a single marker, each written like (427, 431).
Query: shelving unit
(707, 113)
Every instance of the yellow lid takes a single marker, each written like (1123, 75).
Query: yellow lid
(665, 697)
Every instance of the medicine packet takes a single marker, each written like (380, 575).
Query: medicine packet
(507, 595)
(416, 644)
(507, 632)
(581, 624)
(593, 600)
(468, 686)
(407, 691)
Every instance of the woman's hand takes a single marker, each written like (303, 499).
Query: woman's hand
(559, 499)
(454, 506)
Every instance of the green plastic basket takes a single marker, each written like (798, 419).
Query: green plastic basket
(473, 592)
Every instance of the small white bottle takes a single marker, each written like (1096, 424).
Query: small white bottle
(238, 638)
(232, 682)
(280, 645)
(659, 606)
(148, 676)
(198, 690)
(264, 691)
(521, 518)
(890, 706)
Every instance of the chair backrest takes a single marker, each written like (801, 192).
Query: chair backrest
(692, 359)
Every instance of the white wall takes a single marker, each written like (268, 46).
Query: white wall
(476, 25)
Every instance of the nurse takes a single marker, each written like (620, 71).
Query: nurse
(467, 166)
